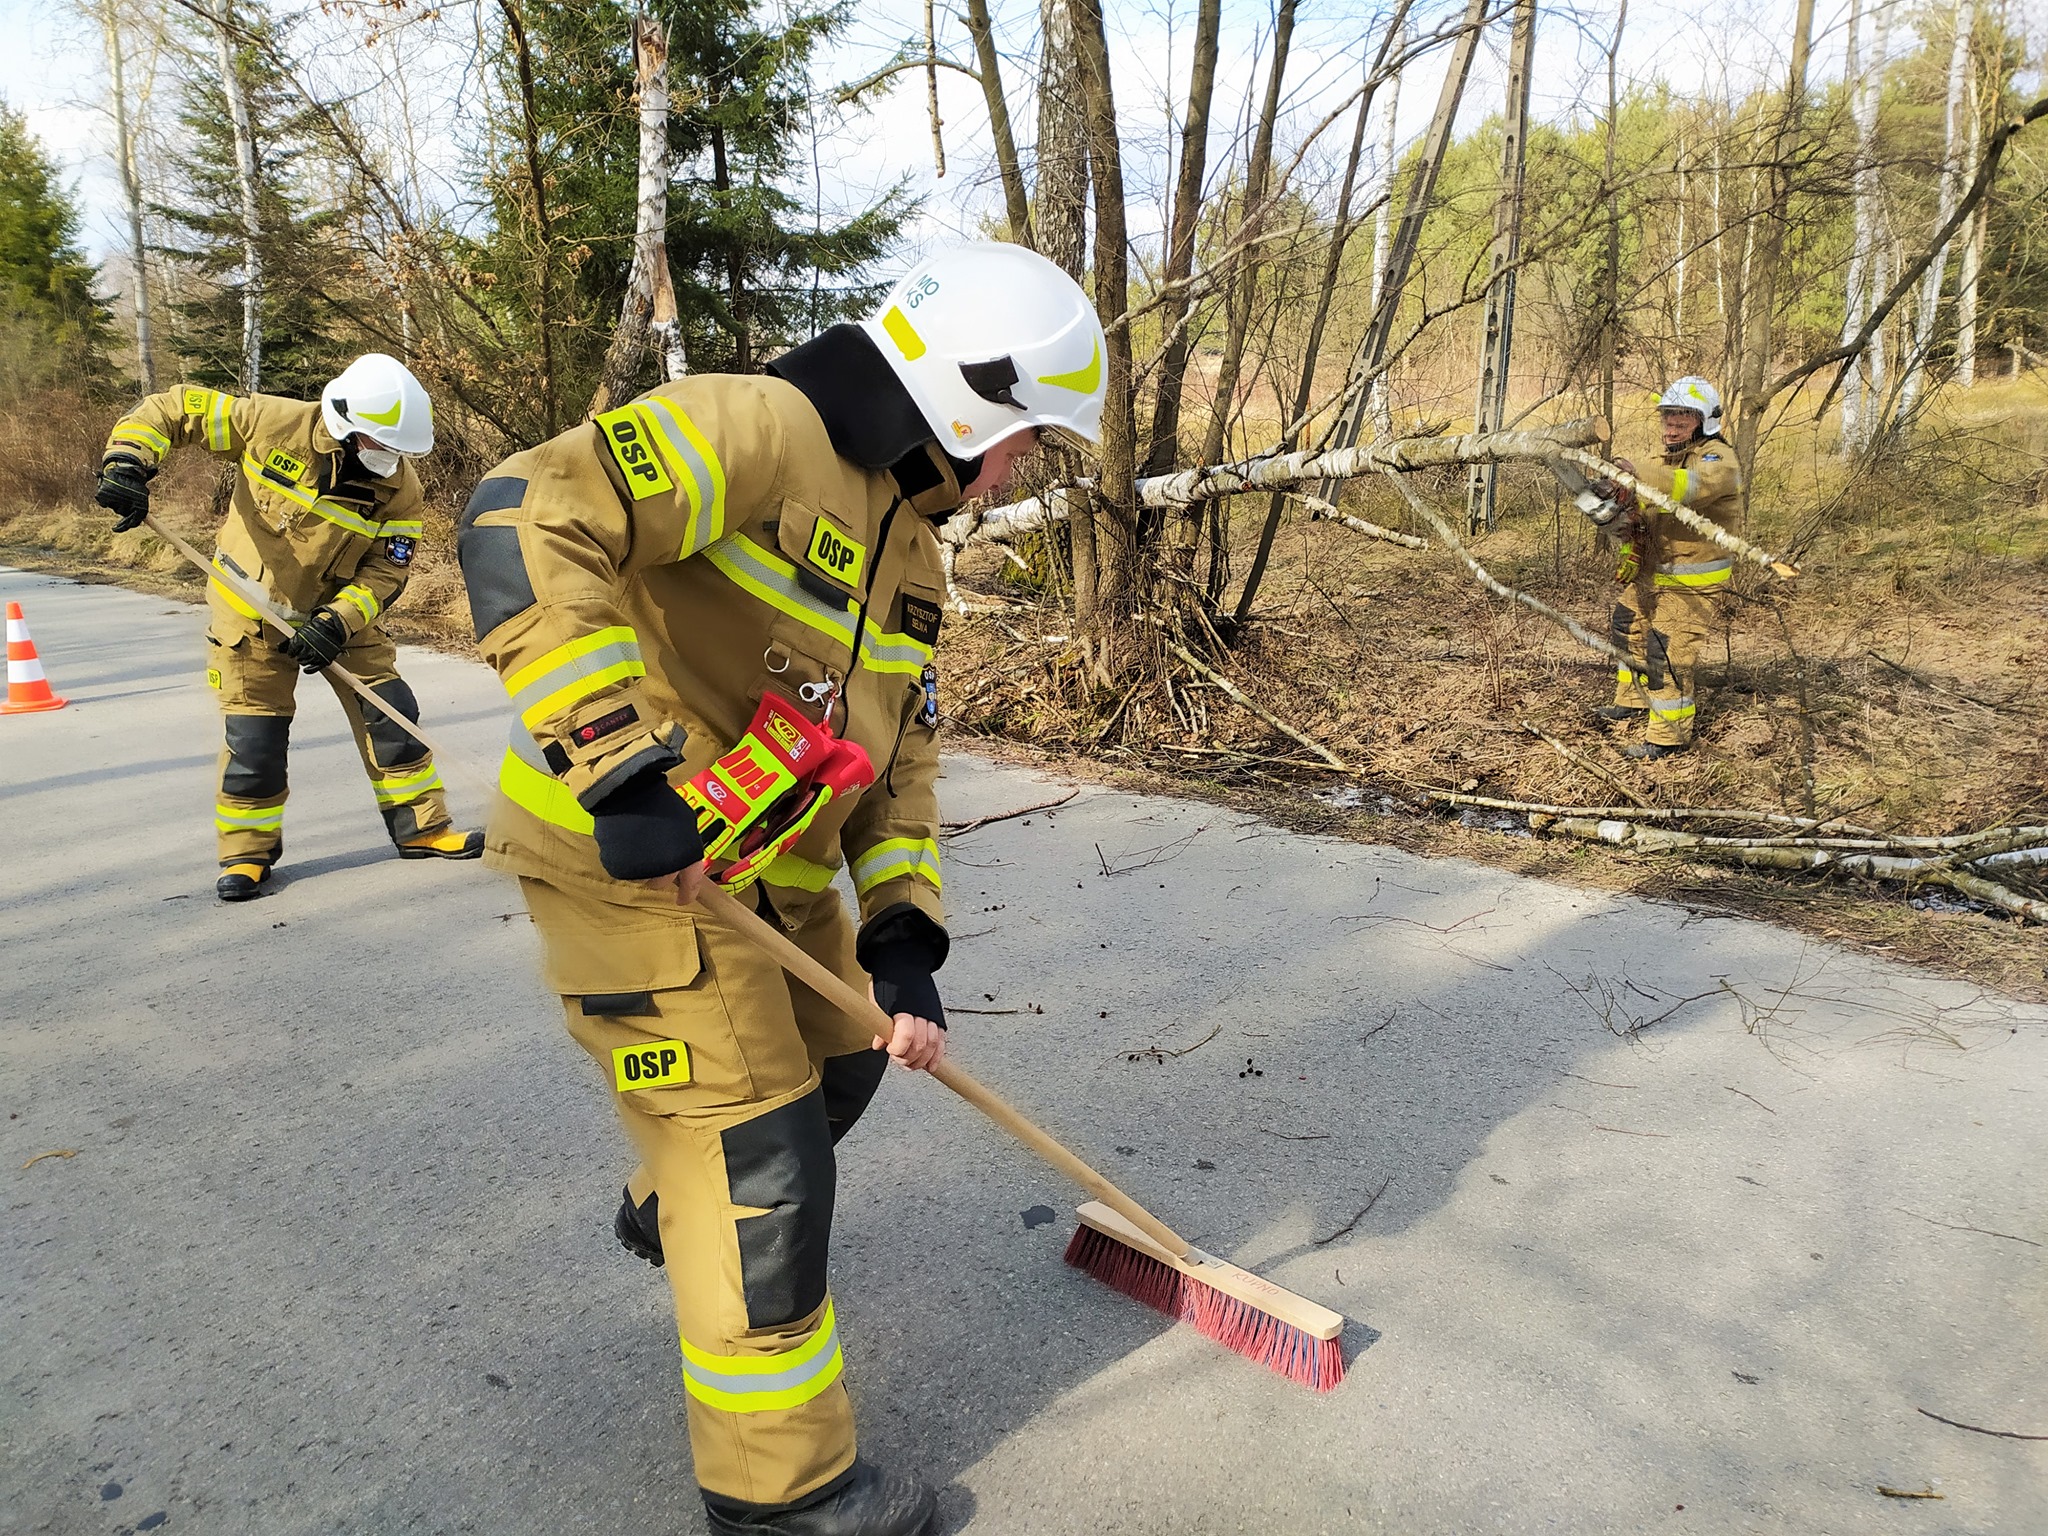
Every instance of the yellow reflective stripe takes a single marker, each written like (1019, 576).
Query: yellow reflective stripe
(1706, 578)
(542, 794)
(573, 671)
(218, 422)
(1674, 709)
(362, 599)
(310, 499)
(405, 528)
(234, 599)
(703, 477)
(409, 786)
(799, 874)
(141, 436)
(230, 818)
(763, 1383)
(1679, 481)
(897, 857)
(773, 580)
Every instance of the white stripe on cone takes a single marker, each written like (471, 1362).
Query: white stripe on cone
(28, 669)
(17, 630)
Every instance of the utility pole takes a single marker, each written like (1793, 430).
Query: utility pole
(1370, 358)
(1496, 340)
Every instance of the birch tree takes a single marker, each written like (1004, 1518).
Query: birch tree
(231, 84)
(127, 167)
(1928, 302)
(1864, 75)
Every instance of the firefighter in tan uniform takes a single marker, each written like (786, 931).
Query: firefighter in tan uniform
(325, 519)
(642, 582)
(1673, 576)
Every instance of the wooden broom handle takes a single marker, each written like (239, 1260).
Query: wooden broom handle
(823, 981)
(335, 670)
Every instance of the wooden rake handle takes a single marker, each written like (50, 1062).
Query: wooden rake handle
(277, 621)
(813, 974)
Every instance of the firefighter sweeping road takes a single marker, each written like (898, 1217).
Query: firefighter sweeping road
(325, 1244)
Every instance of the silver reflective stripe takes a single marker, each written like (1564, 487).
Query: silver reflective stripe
(1696, 567)
(708, 504)
(744, 561)
(881, 649)
(555, 679)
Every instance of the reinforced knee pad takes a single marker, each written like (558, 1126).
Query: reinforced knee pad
(256, 756)
(1621, 624)
(387, 738)
(849, 1083)
(782, 1163)
(1659, 650)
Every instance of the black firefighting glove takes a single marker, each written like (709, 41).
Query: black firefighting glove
(899, 948)
(318, 641)
(124, 491)
(645, 829)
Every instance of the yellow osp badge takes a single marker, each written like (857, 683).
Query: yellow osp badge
(838, 555)
(213, 678)
(198, 401)
(631, 441)
(282, 464)
(651, 1064)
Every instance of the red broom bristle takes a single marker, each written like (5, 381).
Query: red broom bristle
(1315, 1363)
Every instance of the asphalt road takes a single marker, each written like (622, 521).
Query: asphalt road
(333, 1251)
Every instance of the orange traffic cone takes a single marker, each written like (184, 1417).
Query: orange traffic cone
(27, 689)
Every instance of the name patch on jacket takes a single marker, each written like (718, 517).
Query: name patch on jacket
(604, 725)
(920, 619)
(838, 555)
(657, 1064)
(627, 436)
(283, 468)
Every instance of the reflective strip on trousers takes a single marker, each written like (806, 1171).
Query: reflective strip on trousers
(1696, 573)
(408, 786)
(572, 672)
(897, 857)
(773, 580)
(362, 599)
(311, 500)
(702, 478)
(763, 1383)
(1672, 709)
(139, 435)
(262, 818)
(524, 778)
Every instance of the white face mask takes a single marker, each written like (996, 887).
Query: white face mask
(380, 462)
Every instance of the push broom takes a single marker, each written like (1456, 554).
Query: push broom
(1119, 1242)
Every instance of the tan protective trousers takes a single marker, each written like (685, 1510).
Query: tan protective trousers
(257, 684)
(730, 1079)
(1664, 629)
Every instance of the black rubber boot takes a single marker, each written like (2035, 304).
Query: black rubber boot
(638, 1227)
(238, 884)
(1620, 712)
(866, 1501)
(1649, 751)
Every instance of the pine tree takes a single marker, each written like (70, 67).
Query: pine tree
(755, 270)
(311, 290)
(52, 324)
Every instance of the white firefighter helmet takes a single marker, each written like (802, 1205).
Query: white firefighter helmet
(1693, 393)
(991, 340)
(378, 397)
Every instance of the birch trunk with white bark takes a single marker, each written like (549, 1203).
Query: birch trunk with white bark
(1929, 300)
(245, 175)
(1864, 75)
(648, 313)
(125, 162)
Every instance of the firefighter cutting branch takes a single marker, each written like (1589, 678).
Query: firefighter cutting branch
(715, 610)
(1670, 576)
(325, 521)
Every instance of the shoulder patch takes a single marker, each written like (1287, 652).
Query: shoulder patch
(1710, 458)
(198, 401)
(839, 555)
(631, 441)
(398, 549)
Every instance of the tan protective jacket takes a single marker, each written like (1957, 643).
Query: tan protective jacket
(1706, 478)
(662, 566)
(295, 528)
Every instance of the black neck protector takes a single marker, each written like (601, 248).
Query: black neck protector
(870, 417)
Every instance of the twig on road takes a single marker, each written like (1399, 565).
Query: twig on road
(1978, 1429)
(1956, 1227)
(961, 828)
(1363, 1211)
